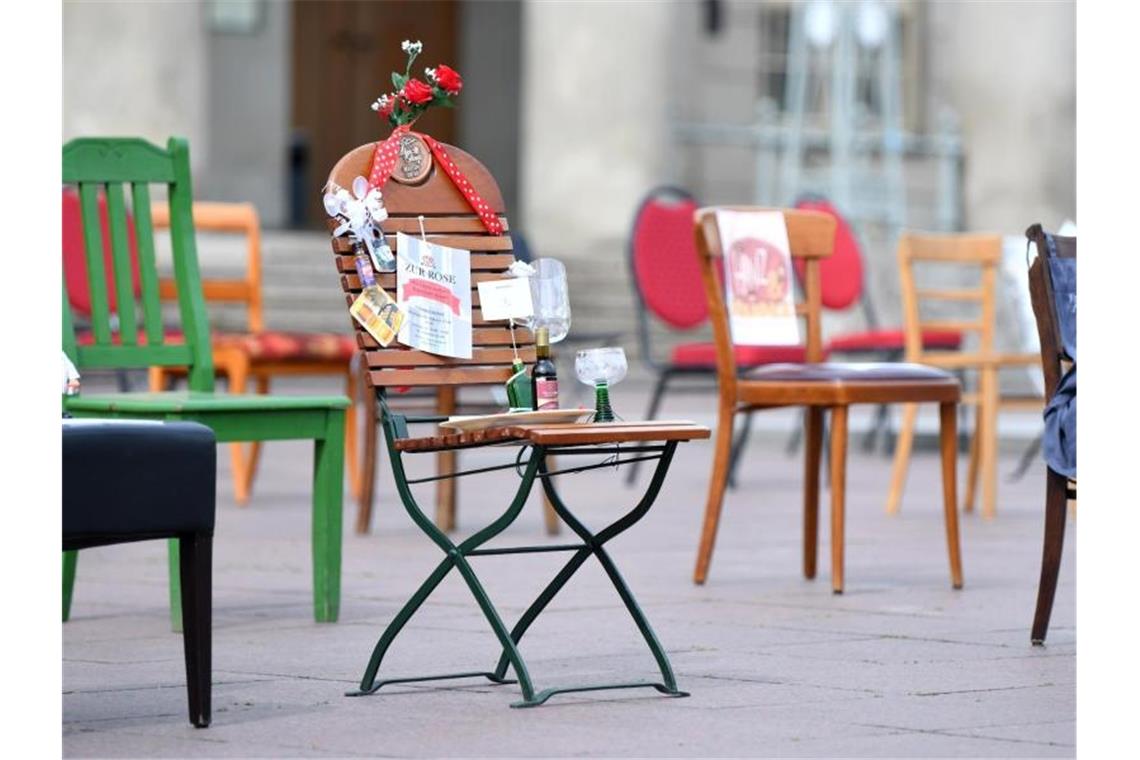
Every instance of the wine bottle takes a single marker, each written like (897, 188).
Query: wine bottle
(544, 378)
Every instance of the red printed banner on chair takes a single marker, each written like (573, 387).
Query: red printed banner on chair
(758, 278)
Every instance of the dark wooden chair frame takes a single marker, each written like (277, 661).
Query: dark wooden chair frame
(1058, 488)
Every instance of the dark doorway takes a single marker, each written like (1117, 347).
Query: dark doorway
(343, 56)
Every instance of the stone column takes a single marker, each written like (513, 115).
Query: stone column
(136, 69)
(593, 141)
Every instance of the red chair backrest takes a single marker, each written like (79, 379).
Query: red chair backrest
(841, 273)
(665, 265)
(75, 254)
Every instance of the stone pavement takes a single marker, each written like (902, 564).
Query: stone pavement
(898, 666)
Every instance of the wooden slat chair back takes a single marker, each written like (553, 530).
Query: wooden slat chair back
(818, 386)
(448, 220)
(240, 218)
(978, 304)
(123, 168)
(811, 237)
(1054, 362)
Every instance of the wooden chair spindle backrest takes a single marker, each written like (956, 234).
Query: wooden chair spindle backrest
(111, 165)
(240, 218)
(811, 237)
(981, 251)
(449, 221)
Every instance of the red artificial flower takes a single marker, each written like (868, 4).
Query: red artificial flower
(388, 106)
(448, 79)
(417, 92)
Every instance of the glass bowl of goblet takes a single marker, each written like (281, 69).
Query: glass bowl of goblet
(601, 368)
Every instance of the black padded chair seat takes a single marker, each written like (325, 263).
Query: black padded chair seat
(848, 372)
(135, 480)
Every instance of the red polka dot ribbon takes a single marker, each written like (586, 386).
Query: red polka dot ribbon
(384, 163)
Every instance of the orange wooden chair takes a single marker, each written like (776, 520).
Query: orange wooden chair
(260, 354)
(981, 252)
(818, 386)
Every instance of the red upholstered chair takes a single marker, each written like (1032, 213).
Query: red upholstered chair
(666, 276)
(842, 282)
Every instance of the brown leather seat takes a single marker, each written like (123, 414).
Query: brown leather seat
(833, 372)
(828, 383)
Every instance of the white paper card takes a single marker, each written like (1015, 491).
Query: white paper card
(759, 294)
(433, 286)
(506, 299)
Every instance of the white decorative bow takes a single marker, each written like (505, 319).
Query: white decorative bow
(360, 214)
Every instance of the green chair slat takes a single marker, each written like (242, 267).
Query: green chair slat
(134, 357)
(148, 271)
(116, 159)
(197, 401)
(121, 260)
(96, 277)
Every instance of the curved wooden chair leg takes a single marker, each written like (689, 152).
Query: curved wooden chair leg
(236, 370)
(445, 495)
(1055, 509)
(838, 493)
(253, 458)
(549, 516)
(903, 444)
(813, 445)
(721, 456)
(351, 433)
(948, 434)
(975, 453)
(368, 465)
(989, 444)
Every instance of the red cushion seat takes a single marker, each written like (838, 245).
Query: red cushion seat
(270, 345)
(892, 340)
(694, 355)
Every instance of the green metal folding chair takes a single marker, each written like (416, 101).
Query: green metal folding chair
(449, 220)
(114, 167)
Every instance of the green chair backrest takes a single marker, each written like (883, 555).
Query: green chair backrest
(109, 165)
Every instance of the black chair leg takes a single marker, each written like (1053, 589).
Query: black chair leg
(651, 414)
(196, 559)
(1055, 508)
(738, 448)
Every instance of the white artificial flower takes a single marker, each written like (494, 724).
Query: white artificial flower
(413, 48)
(430, 74)
(406, 46)
(520, 269)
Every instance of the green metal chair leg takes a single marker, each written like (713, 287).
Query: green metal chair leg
(328, 495)
(69, 560)
(454, 558)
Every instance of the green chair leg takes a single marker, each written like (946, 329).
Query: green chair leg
(174, 568)
(69, 560)
(328, 496)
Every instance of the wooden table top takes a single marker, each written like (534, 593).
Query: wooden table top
(565, 434)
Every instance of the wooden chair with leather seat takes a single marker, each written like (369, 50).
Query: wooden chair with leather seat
(258, 354)
(820, 387)
(1054, 358)
(980, 252)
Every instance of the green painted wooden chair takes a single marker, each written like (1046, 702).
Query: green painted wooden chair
(115, 167)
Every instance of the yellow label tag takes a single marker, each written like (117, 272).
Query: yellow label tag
(378, 313)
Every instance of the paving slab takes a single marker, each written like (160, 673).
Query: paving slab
(900, 665)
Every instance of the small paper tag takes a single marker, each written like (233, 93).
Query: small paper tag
(506, 299)
(378, 313)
